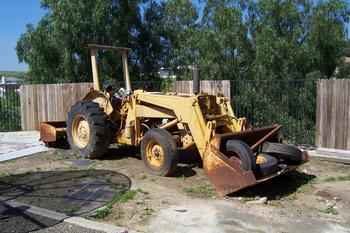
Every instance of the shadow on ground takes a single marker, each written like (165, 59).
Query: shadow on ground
(278, 187)
(69, 192)
(188, 159)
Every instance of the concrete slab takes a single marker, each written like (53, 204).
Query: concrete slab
(67, 228)
(97, 226)
(332, 155)
(18, 144)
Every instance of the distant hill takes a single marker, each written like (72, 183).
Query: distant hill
(16, 74)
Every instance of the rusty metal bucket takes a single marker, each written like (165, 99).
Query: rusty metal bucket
(52, 131)
(226, 174)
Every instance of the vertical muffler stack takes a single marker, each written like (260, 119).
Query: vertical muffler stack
(196, 80)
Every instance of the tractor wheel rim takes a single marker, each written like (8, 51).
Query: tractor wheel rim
(80, 131)
(155, 154)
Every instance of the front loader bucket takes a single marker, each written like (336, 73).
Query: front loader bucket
(226, 174)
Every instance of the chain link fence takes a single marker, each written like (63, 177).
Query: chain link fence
(10, 116)
(291, 103)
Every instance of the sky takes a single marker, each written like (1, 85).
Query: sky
(14, 16)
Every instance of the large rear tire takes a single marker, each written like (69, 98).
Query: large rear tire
(88, 130)
(241, 150)
(159, 152)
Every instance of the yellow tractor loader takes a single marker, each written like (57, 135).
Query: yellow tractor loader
(234, 155)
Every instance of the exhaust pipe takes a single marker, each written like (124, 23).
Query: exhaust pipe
(196, 80)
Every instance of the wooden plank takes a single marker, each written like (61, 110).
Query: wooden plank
(347, 114)
(333, 114)
(318, 115)
(31, 108)
(324, 109)
(22, 106)
(345, 104)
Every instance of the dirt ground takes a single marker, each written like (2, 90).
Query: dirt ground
(313, 199)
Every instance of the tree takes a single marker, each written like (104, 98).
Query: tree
(56, 49)
(228, 39)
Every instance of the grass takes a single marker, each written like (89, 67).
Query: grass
(107, 209)
(201, 191)
(337, 178)
(3, 174)
(102, 212)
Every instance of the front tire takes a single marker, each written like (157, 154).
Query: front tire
(88, 130)
(241, 150)
(159, 152)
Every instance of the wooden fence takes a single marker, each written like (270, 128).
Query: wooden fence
(52, 102)
(333, 114)
(48, 102)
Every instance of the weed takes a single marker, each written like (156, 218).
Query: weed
(102, 212)
(3, 174)
(202, 191)
(329, 210)
(142, 191)
(11, 161)
(127, 196)
(183, 177)
(106, 210)
(72, 210)
(337, 178)
(148, 211)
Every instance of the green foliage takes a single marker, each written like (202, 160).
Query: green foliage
(286, 102)
(56, 48)
(264, 39)
(16, 74)
(228, 39)
(343, 71)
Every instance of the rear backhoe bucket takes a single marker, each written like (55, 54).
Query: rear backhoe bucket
(226, 174)
(52, 131)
